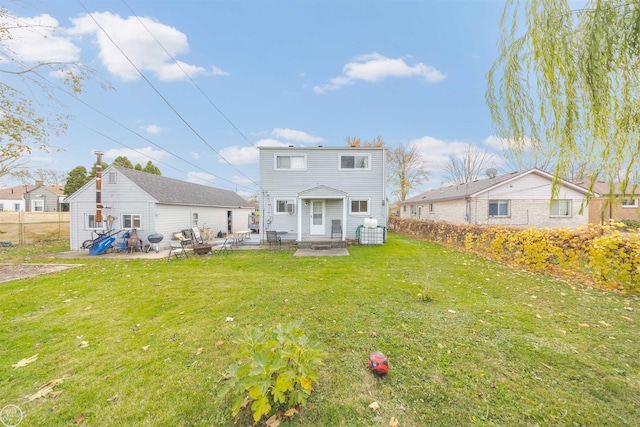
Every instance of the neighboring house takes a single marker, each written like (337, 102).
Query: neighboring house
(44, 198)
(521, 199)
(600, 208)
(305, 189)
(12, 198)
(32, 198)
(153, 204)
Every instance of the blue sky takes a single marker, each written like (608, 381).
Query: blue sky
(265, 73)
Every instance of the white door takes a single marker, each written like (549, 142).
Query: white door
(317, 218)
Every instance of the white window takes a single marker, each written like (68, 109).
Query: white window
(351, 161)
(194, 219)
(561, 208)
(90, 222)
(285, 206)
(112, 177)
(130, 221)
(404, 208)
(16, 207)
(37, 206)
(289, 162)
(413, 209)
(498, 208)
(1, 207)
(629, 203)
(432, 208)
(359, 206)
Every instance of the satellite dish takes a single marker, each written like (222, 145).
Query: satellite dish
(492, 172)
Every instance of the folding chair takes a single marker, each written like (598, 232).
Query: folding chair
(177, 248)
(222, 248)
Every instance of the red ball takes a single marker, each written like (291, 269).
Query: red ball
(378, 363)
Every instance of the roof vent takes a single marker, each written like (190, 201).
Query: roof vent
(492, 172)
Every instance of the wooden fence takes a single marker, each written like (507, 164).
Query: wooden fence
(29, 227)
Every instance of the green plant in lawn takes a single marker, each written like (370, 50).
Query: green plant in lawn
(424, 295)
(275, 370)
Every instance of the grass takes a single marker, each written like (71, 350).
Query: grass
(494, 346)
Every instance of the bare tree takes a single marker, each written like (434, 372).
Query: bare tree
(48, 176)
(406, 171)
(468, 165)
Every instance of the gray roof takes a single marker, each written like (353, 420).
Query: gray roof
(460, 191)
(176, 192)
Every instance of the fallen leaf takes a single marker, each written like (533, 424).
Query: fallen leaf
(393, 422)
(538, 316)
(67, 300)
(451, 311)
(55, 394)
(229, 319)
(80, 419)
(273, 421)
(114, 399)
(584, 325)
(84, 344)
(199, 351)
(47, 388)
(25, 362)
(145, 348)
(291, 412)
(375, 406)
(219, 343)
(603, 323)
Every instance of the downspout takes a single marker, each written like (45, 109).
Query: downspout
(99, 187)
(299, 217)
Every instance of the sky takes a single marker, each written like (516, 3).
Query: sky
(196, 86)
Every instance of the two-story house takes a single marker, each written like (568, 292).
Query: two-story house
(305, 190)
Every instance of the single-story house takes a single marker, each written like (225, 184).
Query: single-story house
(32, 198)
(521, 199)
(153, 204)
(601, 210)
(305, 191)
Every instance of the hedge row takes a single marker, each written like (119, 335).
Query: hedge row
(601, 255)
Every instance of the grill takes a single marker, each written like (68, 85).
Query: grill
(154, 239)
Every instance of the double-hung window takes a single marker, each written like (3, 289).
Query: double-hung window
(561, 208)
(291, 162)
(498, 208)
(37, 205)
(285, 206)
(351, 161)
(414, 209)
(90, 222)
(359, 206)
(130, 221)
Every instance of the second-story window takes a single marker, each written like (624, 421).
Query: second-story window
(288, 162)
(351, 161)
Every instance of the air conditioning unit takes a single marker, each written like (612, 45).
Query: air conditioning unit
(290, 207)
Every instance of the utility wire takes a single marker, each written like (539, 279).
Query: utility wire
(166, 101)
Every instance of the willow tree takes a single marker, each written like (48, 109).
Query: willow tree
(567, 84)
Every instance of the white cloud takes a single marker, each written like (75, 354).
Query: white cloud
(296, 135)
(269, 142)
(375, 67)
(195, 156)
(153, 129)
(238, 155)
(140, 155)
(201, 178)
(242, 180)
(504, 144)
(38, 39)
(138, 45)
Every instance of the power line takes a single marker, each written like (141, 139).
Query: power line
(166, 101)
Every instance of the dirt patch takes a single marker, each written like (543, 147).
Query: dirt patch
(10, 272)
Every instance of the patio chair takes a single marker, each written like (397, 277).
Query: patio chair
(272, 237)
(196, 236)
(222, 247)
(336, 227)
(177, 248)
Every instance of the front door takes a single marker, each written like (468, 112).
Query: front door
(317, 218)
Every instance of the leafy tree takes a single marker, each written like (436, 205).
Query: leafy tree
(406, 170)
(93, 169)
(138, 167)
(151, 168)
(76, 179)
(25, 124)
(568, 83)
(123, 161)
(354, 141)
(469, 165)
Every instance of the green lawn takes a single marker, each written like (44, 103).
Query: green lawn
(494, 346)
